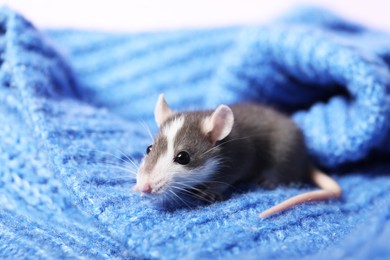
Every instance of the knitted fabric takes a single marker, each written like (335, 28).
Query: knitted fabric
(75, 107)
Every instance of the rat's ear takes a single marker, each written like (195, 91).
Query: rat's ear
(219, 124)
(162, 111)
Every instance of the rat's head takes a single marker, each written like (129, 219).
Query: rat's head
(185, 151)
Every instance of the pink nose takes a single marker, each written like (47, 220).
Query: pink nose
(146, 188)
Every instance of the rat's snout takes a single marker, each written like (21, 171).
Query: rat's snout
(150, 182)
(143, 188)
(146, 188)
(144, 184)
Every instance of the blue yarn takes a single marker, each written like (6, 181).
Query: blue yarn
(74, 104)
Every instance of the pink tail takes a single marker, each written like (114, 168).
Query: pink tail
(329, 189)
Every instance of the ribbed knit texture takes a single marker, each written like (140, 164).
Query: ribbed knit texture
(76, 105)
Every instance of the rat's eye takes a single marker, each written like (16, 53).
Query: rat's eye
(182, 158)
(148, 149)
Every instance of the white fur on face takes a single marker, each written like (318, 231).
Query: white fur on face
(166, 174)
(198, 175)
(165, 168)
(170, 132)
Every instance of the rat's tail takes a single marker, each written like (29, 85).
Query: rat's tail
(329, 189)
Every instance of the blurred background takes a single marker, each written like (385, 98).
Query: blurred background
(153, 15)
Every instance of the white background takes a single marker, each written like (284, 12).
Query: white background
(151, 15)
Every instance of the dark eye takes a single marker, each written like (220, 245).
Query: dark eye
(148, 149)
(182, 158)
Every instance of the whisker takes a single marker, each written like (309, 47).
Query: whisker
(193, 179)
(189, 190)
(172, 192)
(147, 129)
(114, 180)
(112, 155)
(102, 180)
(166, 202)
(122, 178)
(228, 141)
(194, 195)
(208, 181)
(123, 169)
(131, 166)
(131, 160)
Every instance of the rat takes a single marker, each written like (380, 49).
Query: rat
(205, 153)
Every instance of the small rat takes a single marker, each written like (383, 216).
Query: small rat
(204, 153)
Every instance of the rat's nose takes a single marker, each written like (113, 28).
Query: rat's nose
(146, 188)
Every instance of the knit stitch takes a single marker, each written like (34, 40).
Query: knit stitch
(75, 108)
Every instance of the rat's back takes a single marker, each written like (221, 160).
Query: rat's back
(266, 147)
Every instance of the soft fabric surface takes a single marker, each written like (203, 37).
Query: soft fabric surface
(75, 105)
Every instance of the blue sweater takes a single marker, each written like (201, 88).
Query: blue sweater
(74, 111)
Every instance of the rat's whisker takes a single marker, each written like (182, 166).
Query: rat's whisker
(122, 178)
(123, 169)
(191, 189)
(193, 194)
(111, 155)
(147, 129)
(172, 192)
(228, 141)
(129, 158)
(187, 187)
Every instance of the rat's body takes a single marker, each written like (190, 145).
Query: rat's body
(264, 147)
(204, 153)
